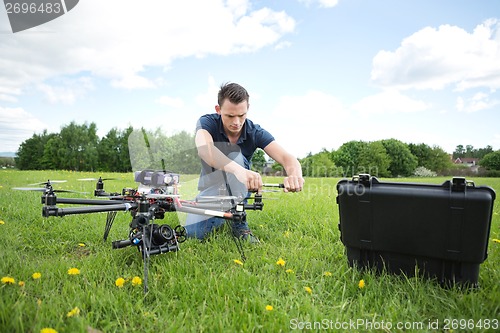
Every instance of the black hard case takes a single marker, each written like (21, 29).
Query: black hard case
(440, 231)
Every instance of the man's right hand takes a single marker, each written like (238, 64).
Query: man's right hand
(251, 179)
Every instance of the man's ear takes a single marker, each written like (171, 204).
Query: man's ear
(217, 109)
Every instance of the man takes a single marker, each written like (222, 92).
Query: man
(226, 142)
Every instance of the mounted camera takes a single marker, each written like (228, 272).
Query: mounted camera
(151, 238)
(151, 181)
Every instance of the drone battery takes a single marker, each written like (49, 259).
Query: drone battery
(156, 178)
(439, 231)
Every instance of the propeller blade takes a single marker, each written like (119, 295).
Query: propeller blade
(96, 179)
(41, 189)
(49, 182)
(44, 189)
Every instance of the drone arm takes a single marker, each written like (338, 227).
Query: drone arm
(254, 206)
(82, 201)
(55, 211)
(207, 212)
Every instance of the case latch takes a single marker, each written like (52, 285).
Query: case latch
(362, 178)
(458, 184)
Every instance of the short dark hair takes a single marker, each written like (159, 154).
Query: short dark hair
(234, 92)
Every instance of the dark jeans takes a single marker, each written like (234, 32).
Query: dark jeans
(199, 226)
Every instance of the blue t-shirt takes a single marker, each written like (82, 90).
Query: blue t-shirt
(252, 137)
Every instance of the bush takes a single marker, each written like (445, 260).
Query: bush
(424, 172)
(492, 173)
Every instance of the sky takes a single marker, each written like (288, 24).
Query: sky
(319, 73)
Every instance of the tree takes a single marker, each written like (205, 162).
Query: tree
(432, 158)
(80, 147)
(481, 152)
(374, 160)
(258, 160)
(184, 153)
(346, 158)
(491, 161)
(440, 160)
(113, 151)
(318, 165)
(53, 152)
(459, 151)
(422, 152)
(31, 151)
(403, 162)
(469, 151)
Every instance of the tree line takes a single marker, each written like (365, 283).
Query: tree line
(394, 158)
(78, 147)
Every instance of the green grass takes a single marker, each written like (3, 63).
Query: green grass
(201, 288)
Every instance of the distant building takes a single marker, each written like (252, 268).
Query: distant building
(472, 163)
(267, 170)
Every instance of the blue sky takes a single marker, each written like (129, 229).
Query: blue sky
(319, 72)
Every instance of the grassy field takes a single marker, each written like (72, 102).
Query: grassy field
(297, 278)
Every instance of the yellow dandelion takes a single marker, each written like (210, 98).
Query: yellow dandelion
(287, 234)
(21, 283)
(238, 262)
(308, 290)
(81, 244)
(327, 274)
(8, 280)
(2, 222)
(48, 330)
(73, 313)
(289, 271)
(269, 308)
(136, 281)
(38, 302)
(361, 284)
(73, 271)
(281, 262)
(496, 240)
(36, 275)
(120, 282)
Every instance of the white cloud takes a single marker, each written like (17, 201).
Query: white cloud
(208, 100)
(17, 125)
(328, 3)
(480, 101)
(282, 45)
(436, 58)
(68, 92)
(302, 123)
(389, 101)
(321, 3)
(118, 40)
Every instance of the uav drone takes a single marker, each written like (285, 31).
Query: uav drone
(157, 193)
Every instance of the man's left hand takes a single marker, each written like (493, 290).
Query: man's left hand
(293, 184)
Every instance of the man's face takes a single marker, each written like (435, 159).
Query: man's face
(233, 116)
